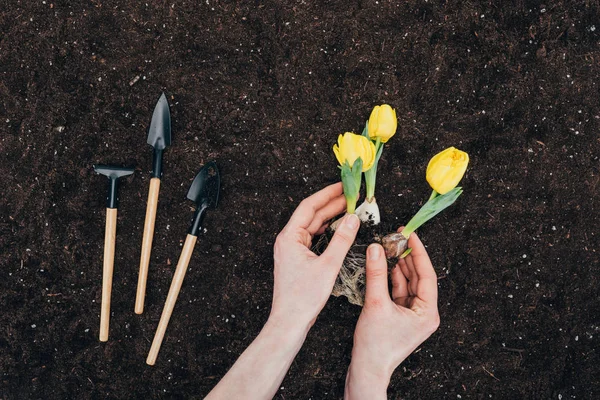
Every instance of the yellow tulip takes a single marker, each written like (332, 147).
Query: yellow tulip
(351, 146)
(382, 123)
(446, 169)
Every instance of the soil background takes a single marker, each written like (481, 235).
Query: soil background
(264, 88)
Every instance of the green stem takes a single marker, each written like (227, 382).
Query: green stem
(433, 195)
(371, 174)
(370, 178)
(350, 206)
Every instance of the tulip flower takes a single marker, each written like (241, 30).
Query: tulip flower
(356, 154)
(444, 172)
(446, 169)
(350, 147)
(382, 123)
(380, 127)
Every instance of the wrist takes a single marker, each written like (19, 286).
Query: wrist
(362, 383)
(289, 318)
(286, 328)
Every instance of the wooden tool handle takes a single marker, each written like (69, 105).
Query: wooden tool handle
(107, 271)
(182, 264)
(147, 244)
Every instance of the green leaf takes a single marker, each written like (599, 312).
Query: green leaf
(378, 155)
(351, 178)
(357, 167)
(353, 172)
(432, 208)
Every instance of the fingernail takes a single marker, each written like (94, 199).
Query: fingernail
(352, 221)
(374, 252)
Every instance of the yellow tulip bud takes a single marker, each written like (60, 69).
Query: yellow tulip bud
(382, 123)
(351, 146)
(446, 169)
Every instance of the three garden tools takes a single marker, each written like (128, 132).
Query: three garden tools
(204, 192)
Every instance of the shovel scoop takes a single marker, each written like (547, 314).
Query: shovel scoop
(113, 173)
(205, 193)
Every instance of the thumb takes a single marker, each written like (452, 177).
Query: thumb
(377, 280)
(342, 240)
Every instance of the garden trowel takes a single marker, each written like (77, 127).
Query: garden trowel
(205, 193)
(113, 173)
(159, 137)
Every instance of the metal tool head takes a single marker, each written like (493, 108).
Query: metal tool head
(113, 172)
(206, 186)
(205, 193)
(159, 134)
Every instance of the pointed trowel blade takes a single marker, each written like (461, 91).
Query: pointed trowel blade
(159, 134)
(206, 186)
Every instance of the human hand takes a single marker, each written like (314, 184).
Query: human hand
(390, 329)
(303, 280)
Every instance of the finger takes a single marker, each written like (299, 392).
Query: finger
(427, 286)
(342, 240)
(322, 229)
(399, 283)
(413, 278)
(376, 274)
(330, 210)
(304, 214)
(405, 271)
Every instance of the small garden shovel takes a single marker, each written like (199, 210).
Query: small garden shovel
(113, 174)
(159, 137)
(205, 193)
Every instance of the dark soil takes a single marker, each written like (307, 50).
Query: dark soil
(264, 88)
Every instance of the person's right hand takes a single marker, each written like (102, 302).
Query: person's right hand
(390, 329)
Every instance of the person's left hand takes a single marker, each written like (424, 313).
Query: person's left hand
(303, 280)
